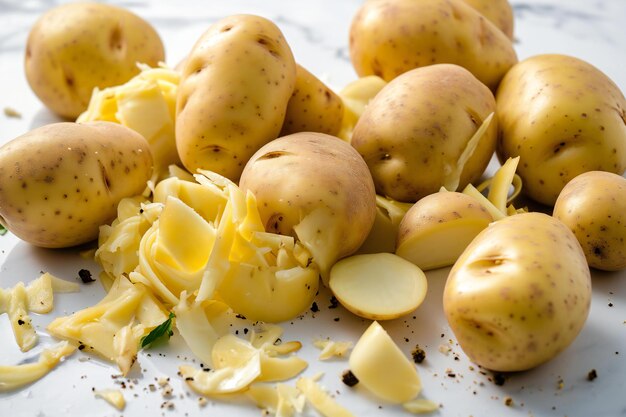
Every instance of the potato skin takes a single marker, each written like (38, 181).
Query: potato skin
(563, 117)
(293, 176)
(233, 94)
(313, 107)
(78, 46)
(427, 32)
(416, 128)
(519, 294)
(499, 12)
(60, 182)
(593, 206)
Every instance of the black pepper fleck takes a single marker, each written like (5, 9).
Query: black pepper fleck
(348, 378)
(418, 354)
(85, 276)
(592, 375)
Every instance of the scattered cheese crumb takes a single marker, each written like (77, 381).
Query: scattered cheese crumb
(420, 406)
(113, 397)
(331, 348)
(11, 112)
(445, 349)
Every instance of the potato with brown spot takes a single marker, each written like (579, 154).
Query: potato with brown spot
(77, 47)
(233, 94)
(313, 107)
(519, 294)
(563, 117)
(418, 133)
(391, 37)
(317, 188)
(59, 183)
(593, 206)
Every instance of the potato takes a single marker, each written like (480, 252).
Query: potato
(76, 47)
(314, 187)
(313, 107)
(563, 117)
(436, 230)
(60, 182)
(427, 32)
(499, 12)
(425, 130)
(233, 94)
(593, 206)
(378, 286)
(382, 368)
(519, 294)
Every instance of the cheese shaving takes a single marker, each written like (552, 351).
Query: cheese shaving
(16, 376)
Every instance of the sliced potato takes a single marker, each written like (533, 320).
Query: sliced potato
(436, 230)
(379, 286)
(382, 368)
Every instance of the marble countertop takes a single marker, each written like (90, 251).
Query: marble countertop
(594, 30)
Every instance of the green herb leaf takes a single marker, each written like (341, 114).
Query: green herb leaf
(3, 230)
(162, 330)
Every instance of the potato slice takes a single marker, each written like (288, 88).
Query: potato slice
(436, 230)
(382, 368)
(378, 286)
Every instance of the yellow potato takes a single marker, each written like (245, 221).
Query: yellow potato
(60, 182)
(519, 294)
(428, 128)
(233, 94)
(378, 286)
(438, 228)
(499, 12)
(562, 116)
(382, 368)
(313, 107)
(593, 206)
(76, 47)
(390, 37)
(316, 187)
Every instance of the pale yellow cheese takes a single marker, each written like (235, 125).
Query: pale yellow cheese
(113, 397)
(330, 348)
(16, 376)
(320, 399)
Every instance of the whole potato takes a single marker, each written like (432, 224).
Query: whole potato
(499, 12)
(427, 32)
(437, 229)
(233, 94)
(317, 188)
(519, 294)
(313, 107)
(76, 47)
(414, 133)
(60, 182)
(563, 117)
(593, 206)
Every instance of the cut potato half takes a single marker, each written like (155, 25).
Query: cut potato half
(382, 368)
(379, 286)
(436, 230)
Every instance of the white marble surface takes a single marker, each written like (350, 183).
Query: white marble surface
(317, 32)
